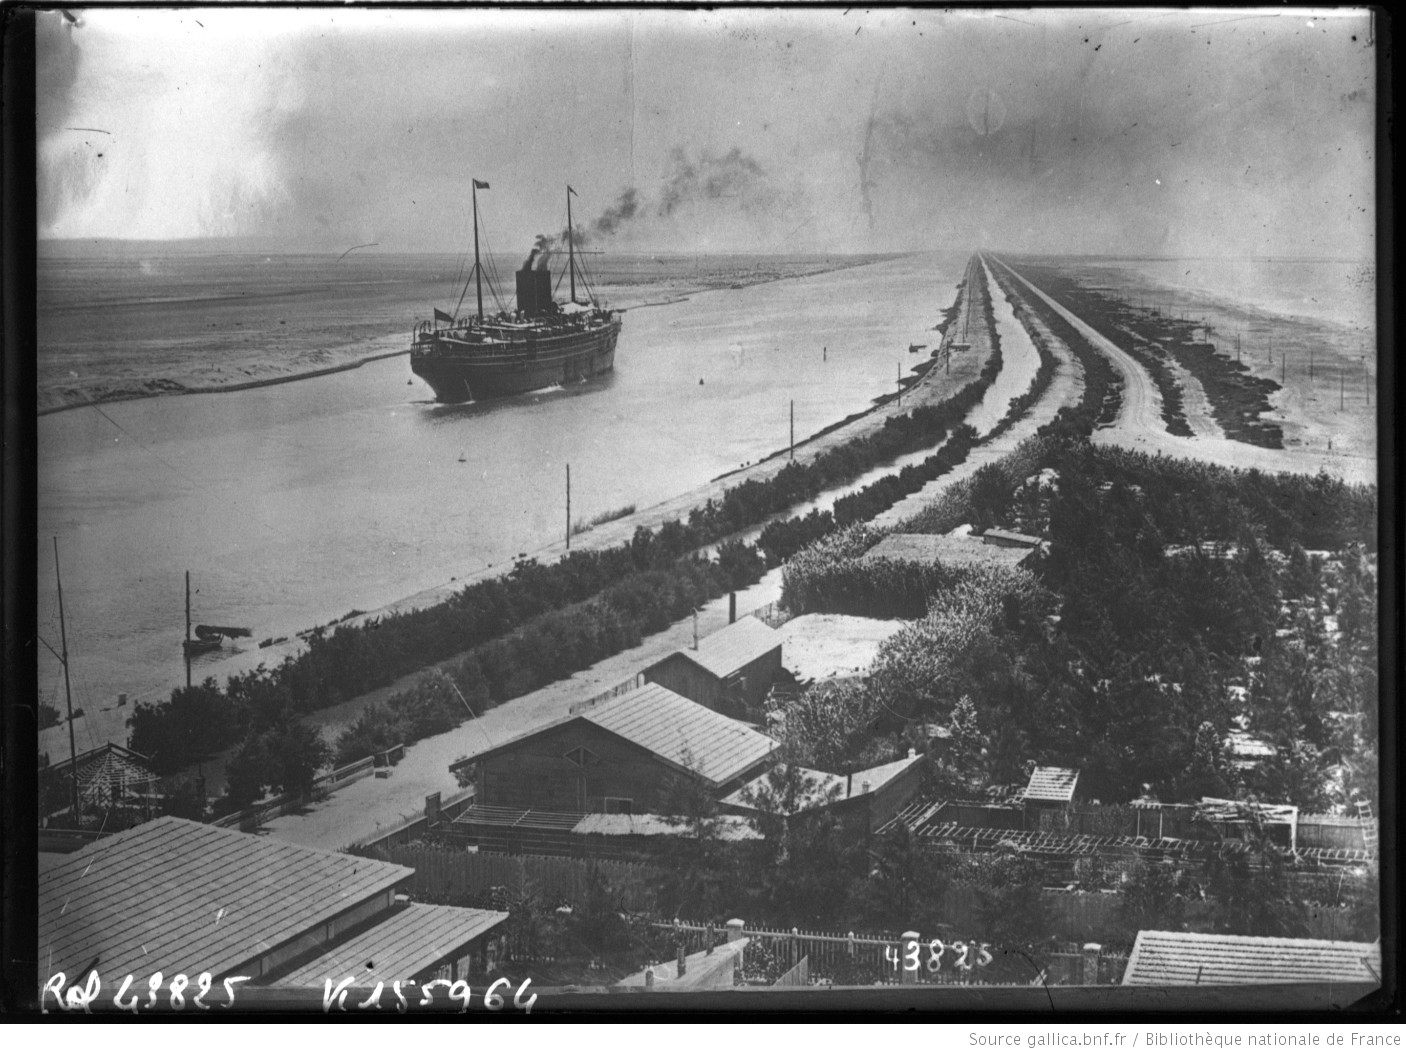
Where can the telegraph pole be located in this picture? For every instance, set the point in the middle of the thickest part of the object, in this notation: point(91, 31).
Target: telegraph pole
point(67, 691)
point(793, 430)
point(568, 506)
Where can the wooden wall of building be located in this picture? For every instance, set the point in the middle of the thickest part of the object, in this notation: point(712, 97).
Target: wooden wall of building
point(680, 674)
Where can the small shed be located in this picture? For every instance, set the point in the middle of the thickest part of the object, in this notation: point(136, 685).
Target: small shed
point(731, 671)
point(1166, 958)
point(1048, 797)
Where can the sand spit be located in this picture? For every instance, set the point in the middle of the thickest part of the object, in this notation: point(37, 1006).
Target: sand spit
point(1139, 425)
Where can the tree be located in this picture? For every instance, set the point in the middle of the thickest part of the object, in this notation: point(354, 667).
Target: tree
point(1153, 898)
point(284, 757)
point(1248, 887)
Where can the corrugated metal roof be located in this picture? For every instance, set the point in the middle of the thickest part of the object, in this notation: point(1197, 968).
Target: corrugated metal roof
point(726, 828)
point(184, 897)
point(946, 550)
point(1164, 958)
point(681, 731)
point(397, 948)
point(1052, 784)
point(733, 647)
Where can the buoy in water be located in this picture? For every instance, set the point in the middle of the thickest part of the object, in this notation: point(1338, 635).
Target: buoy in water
point(700, 380)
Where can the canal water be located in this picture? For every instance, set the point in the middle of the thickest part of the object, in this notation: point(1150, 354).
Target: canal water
point(292, 505)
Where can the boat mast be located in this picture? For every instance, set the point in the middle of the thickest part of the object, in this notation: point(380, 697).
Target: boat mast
point(570, 244)
point(67, 691)
point(478, 270)
point(187, 649)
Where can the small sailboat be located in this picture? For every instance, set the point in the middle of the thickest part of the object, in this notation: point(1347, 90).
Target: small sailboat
point(462, 459)
point(207, 638)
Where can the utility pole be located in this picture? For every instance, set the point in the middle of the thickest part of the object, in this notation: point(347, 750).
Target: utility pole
point(67, 690)
point(793, 430)
point(1283, 369)
point(900, 383)
point(568, 506)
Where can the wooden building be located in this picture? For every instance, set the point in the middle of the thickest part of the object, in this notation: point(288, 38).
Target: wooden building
point(862, 801)
point(619, 756)
point(730, 671)
point(1048, 798)
point(174, 896)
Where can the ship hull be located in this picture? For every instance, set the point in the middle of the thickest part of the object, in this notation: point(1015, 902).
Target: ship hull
point(460, 370)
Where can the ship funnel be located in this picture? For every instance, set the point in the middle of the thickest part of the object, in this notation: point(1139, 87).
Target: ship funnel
point(534, 287)
point(542, 260)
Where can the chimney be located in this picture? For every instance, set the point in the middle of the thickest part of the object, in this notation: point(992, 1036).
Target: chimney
point(534, 287)
point(731, 608)
point(849, 785)
point(695, 631)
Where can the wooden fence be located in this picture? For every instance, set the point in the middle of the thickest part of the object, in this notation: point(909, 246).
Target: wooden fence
point(796, 976)
point(252, 817)
point(447, 874)
point(869, 958)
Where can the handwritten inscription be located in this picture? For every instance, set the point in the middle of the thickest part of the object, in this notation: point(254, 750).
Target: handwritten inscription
point(83, 997)
point(456, 991)
point(180, 994)
point(964, 956)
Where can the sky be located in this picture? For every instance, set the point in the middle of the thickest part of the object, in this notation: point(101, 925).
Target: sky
point(1222, 132)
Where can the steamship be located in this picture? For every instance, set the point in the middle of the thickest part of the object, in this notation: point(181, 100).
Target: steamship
point(540, 344)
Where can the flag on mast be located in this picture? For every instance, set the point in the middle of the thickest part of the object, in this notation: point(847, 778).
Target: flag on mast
point(570, 191)
point(480, 184)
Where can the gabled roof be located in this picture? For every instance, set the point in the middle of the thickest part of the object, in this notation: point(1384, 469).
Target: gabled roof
point(397, 948)
point(733, 647)
point(684, 734)
point(1051, 784)
point(946, 550)
point(1164, 958)
point(184, 897)
point(823, 783)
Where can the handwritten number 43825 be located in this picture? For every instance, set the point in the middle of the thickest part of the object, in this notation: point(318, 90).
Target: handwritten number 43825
point(912, 958)
point(77, 998)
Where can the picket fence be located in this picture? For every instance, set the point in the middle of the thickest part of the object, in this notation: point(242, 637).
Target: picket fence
point(448, 873)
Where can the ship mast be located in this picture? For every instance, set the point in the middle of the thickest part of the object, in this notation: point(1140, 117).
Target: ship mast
point(478, 269)
point(570, 244)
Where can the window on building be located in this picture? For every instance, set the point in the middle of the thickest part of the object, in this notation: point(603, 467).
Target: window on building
point(625, 805)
